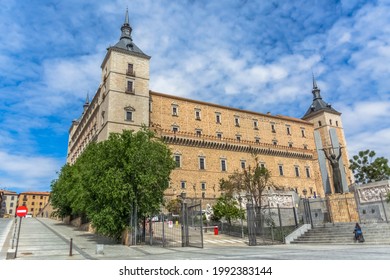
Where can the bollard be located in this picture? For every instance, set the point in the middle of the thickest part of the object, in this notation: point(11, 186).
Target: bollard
point(216, 230)
point(71, 247)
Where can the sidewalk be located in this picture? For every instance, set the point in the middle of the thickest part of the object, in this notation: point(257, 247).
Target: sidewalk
point(47, 239)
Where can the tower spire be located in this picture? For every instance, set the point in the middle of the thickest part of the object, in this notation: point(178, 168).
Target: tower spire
point(316, 91)
point(314, 81)
point(126, 28)
point(127, 17)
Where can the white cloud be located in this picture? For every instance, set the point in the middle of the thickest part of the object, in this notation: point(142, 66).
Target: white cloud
point(25, 171)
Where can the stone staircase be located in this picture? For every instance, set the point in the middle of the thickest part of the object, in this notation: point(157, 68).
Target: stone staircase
point(342, 233)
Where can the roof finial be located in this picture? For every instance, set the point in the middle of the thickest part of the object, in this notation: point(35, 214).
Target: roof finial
point(314, 81)
point(87, 99)
point(127, 16)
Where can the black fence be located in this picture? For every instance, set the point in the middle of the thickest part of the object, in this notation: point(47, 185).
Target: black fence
point(270, 225)
point(170, 230)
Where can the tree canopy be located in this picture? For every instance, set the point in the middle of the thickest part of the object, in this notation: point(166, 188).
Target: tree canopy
point(227, 207)
point(112, 177)
point(252, 180)
point(367, 169)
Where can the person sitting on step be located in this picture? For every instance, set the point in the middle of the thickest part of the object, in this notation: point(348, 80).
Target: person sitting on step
point(358, 233)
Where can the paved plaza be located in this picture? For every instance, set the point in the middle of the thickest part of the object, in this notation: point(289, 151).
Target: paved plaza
point(47, 239)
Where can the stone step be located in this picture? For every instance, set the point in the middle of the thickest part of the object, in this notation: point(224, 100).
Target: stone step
point(378, 233)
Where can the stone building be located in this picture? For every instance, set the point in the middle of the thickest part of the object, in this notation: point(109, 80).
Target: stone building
point(210, 141)
point(34, 201)
point(8, 204)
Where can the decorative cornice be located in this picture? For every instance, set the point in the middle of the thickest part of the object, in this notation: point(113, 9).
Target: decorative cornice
point(256, 148)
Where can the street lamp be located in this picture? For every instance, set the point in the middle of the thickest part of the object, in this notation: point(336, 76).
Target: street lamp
point(304, 192)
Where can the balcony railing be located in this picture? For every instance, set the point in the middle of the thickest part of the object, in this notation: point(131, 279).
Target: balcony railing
point(130, 90)
point(130, 73)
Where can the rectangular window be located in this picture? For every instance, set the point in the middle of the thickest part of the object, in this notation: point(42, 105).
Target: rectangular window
point(198, 132)
point(223, 164)
point(273, 128)
point(255, 124)
point(319, 123)
point(130, 69)
point(238, 137)
point(237, 121)
point(129, 87)
point(218, 118)
point(11, 204)
point(303, 132)
point(219, 135)
point(202, 163)
point(183, 184)
point(296, 171)
point(257, 139)
point(243, 164)
point(197, 115)
point(288, 128)
point(174, 111)
point(32, 203)
point(281, 172)
point(175, 129)
point(290, 144)
point(129, 116)
point(337, 123)
point(33, 196)
point(12, 197)
point(203, 186)
point(307, 172)
point(178, 160)
point(275, 142)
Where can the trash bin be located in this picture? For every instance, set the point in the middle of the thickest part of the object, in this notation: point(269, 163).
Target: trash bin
point(216, 230)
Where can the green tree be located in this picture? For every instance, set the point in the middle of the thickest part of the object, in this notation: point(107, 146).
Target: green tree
point(60, 191)
point(174, 206)
point(227, 207)
point(252, 180)
point(367, 169)
point(129, 171)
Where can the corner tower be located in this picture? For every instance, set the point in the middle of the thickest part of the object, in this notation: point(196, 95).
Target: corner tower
point(124, 90)
point(329, 137)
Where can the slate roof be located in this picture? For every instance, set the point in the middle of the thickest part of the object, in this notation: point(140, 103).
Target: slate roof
point(126, 42)
point(318, 105)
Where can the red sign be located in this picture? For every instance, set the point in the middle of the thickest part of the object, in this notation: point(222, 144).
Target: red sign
point(21, 211)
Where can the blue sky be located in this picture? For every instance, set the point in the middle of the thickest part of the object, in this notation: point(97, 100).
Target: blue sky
point(256, 55)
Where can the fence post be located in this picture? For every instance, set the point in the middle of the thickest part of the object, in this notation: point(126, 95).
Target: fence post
point(201, 223)
point(150, 232)
point(280, 223)
point(251, 225)
point(163, 229)
point(383, 205)
point(295, 216)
